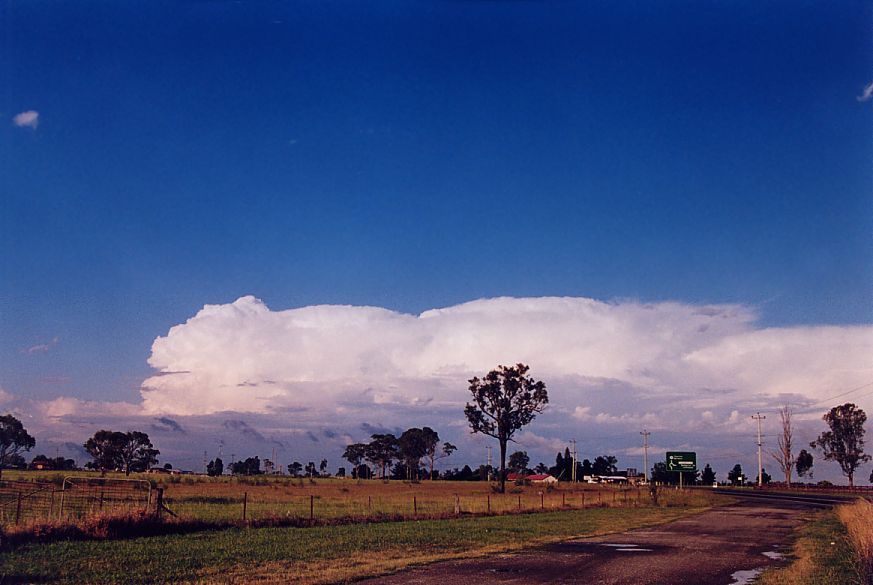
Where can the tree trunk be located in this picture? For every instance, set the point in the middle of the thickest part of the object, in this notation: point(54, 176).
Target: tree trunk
point(502, 466)
point(851, 479)
point(431, 467)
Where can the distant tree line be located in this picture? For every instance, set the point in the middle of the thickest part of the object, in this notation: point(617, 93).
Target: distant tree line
point(388, 456)
point(117, 451)
point(504, 401)
point(563, 468)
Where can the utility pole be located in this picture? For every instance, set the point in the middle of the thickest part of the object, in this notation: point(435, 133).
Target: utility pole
point(573, 473)
point(488, 468)
point(759, 417)
point(205, 458)
point(645, 435)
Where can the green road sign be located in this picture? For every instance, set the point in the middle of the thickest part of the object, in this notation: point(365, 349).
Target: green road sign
point(681, 461)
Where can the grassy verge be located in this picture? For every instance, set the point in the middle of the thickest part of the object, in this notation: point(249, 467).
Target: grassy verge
point(322, 554)
point(858, 520)
point(822, 555)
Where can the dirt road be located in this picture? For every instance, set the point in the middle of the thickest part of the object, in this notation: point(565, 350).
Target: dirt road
point(722, 546)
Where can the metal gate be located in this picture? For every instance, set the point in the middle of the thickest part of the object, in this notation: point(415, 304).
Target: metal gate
point(87, 496)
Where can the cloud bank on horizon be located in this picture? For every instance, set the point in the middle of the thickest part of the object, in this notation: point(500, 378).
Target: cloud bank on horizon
point(309, 381)
point(245, 357)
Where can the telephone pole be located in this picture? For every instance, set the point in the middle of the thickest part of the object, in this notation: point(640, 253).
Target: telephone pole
point(645, 433)
point(759, 417)
point(488, 468)
point(573, 473)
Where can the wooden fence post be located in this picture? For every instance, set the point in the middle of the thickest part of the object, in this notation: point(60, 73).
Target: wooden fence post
point(159, 502)
point(489, 503)
point(18, 508)
point(414, 506)
point(542, 500)
point(563, 500)
point(245, 504)
point(519, 501)
point(457, 505)
point(583, 500)
point(311, 507)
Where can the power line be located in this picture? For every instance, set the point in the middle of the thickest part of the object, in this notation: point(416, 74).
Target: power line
point(861, 387)
point(828, 399)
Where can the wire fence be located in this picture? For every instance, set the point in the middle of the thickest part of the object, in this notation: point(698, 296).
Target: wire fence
point(254, 505)
point(75, 498)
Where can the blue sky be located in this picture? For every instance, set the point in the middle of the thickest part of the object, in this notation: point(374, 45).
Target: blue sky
point(414, 155)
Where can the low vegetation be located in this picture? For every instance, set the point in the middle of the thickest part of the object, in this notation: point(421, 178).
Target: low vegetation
point(858, 520)
point(835, 547)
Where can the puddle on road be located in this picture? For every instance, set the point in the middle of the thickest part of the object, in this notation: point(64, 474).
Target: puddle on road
point(745, 577)
point(627, 547)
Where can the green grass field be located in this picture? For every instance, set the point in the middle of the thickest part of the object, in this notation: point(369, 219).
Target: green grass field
point(324, 554)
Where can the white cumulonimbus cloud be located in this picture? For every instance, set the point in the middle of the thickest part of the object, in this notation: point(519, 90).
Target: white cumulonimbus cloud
point(604, 361)
point(28, 119)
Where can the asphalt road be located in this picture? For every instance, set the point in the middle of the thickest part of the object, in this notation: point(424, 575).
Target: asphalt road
point(722, 546)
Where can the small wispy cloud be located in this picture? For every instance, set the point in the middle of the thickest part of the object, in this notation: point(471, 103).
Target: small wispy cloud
point(867, 94)
point(28, 119)
point(40, 347)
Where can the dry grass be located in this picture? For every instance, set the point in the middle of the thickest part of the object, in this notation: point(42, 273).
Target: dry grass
point(858, 520)
point(97, 527)
point(220, 500)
